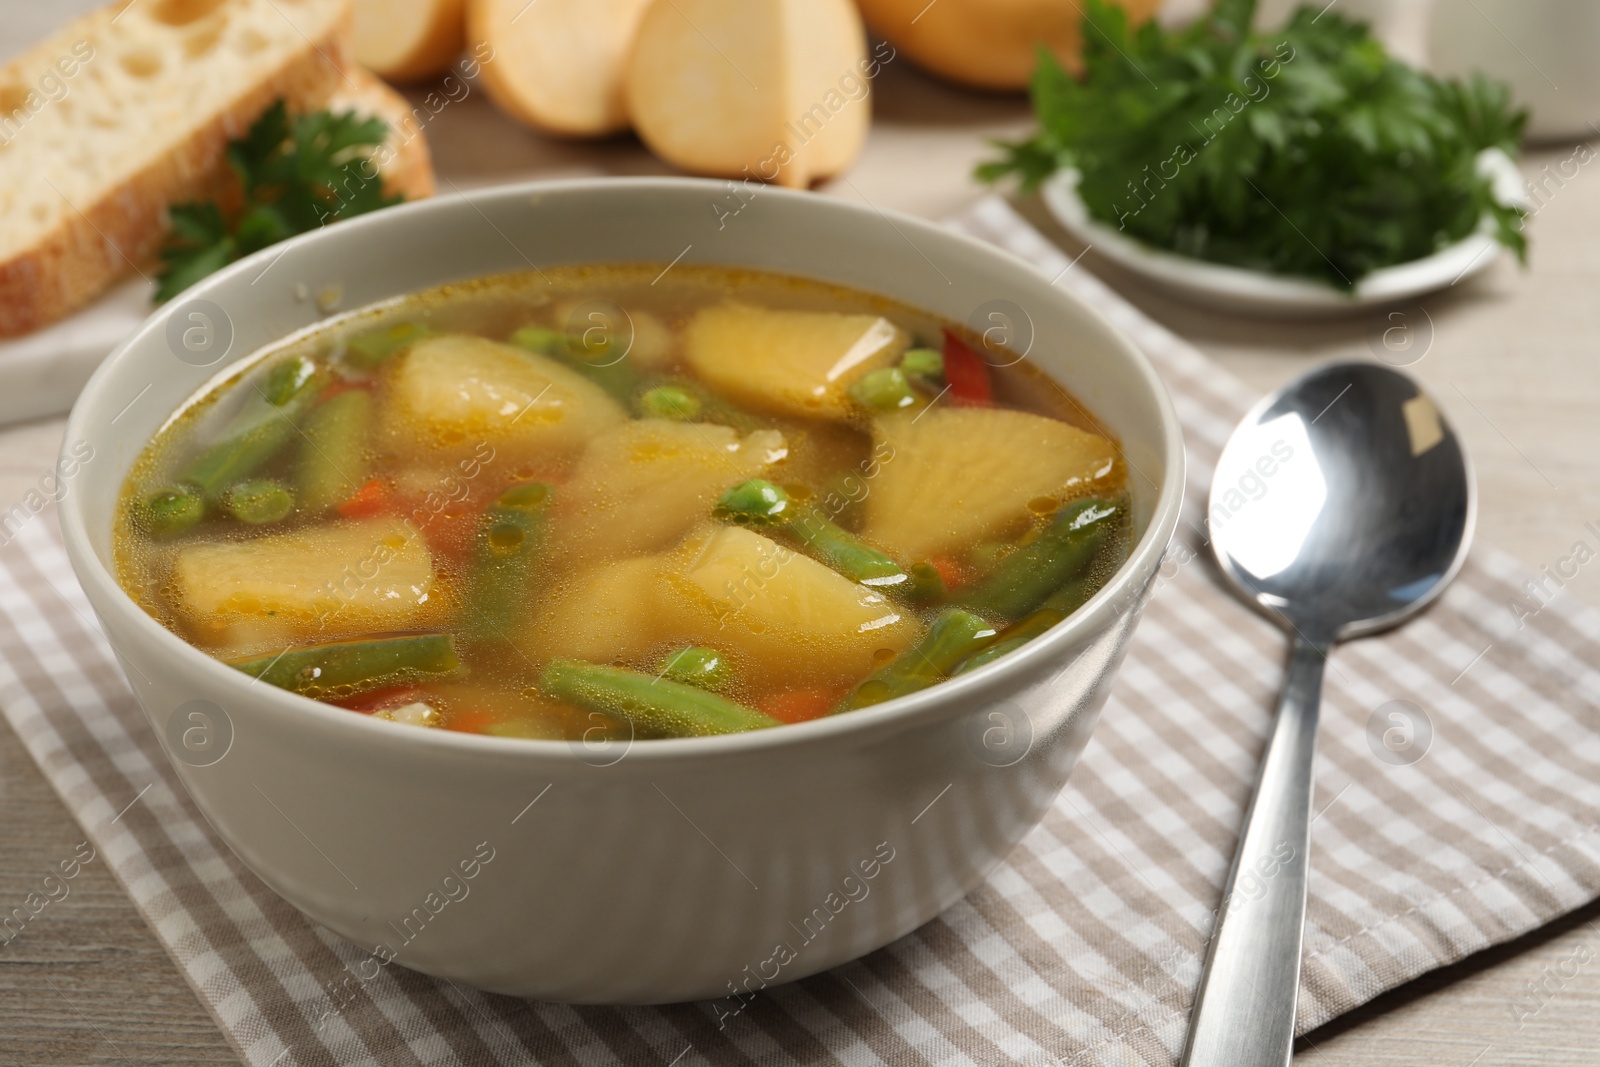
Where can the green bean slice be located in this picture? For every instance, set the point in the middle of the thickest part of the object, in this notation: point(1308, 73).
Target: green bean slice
point(259, 431)
point(333, 454)
point(655, 707)
point(1028, 576)
point(696, 665)
point(171, 510)
point(506, 557)
point(345, 668)
point(954, 636)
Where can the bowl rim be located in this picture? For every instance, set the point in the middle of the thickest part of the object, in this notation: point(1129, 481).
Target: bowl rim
point(1098, 613)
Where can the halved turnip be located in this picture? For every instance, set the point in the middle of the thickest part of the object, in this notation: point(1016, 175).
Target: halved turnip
point(987, 44)
point(408, 40)
point(557, 64)
point(773, 90)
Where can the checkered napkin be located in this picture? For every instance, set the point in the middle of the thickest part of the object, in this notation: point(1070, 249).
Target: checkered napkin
point(1458, 784)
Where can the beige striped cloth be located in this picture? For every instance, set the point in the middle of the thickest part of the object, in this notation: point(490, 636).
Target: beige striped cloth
point(1461, 816)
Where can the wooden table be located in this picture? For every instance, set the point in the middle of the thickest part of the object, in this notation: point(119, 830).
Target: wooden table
point(1512, 361)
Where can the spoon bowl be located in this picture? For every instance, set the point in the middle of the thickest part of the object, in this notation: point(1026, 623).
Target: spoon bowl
point(1365, 503)
point(1341, 506)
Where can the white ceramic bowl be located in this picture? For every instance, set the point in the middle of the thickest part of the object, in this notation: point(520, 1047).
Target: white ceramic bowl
point(665, 870)
point(1219, 287)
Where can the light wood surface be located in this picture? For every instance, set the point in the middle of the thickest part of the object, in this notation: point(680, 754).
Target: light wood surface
point(1513, 362)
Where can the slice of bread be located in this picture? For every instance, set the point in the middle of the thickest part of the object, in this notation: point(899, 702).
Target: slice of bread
point(129, 109)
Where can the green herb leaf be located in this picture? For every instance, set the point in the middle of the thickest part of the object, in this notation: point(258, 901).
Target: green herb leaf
point(201, 246)
point(296, 174)
point(1307, 151)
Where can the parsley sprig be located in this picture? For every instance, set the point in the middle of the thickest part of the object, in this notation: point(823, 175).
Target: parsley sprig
point(296, 174)
point(1307, 151)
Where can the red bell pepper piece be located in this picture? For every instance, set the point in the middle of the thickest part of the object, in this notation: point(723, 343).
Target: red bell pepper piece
point(966, 375)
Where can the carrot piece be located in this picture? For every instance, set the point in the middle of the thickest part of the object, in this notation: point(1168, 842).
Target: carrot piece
point(469, 722)
point(342, 385)
point(448, 527)
point(951, 572)
point(449, 530)
point(966, 374)
point(800, 705)
point(373, 498)
point(394, 696)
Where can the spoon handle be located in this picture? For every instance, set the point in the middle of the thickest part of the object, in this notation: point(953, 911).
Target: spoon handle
point(1244, 1010)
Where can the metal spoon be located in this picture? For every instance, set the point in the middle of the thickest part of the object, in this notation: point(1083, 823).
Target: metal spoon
point(1341, 506)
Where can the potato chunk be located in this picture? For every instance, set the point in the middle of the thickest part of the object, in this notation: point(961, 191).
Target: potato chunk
point(789, 362)
point(778, 605)
point(958, 476)
point(644, 485)
point(782, 618)
point(324, 581)
point(447, 395)
point(609, 613)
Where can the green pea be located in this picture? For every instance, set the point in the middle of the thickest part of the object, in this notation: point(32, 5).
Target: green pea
point(924, 363)
point(171, 510)
point(755, 502)
point(258, 501)
point(670, 402)
point(543, 340)
point(884, 390)
point(589, 353)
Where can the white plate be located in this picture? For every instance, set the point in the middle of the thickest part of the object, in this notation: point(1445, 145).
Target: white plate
point(1215, 286)
point(42, 372)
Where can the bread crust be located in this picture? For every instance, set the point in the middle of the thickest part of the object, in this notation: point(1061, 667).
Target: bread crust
point(123, 228)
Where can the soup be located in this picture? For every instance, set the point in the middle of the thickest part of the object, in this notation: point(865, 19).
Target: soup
point(613, 501)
